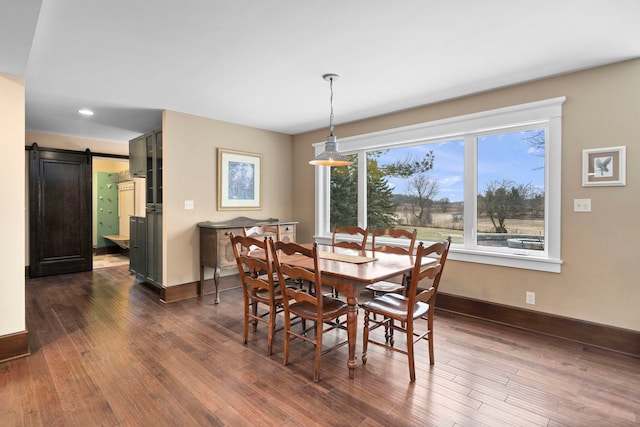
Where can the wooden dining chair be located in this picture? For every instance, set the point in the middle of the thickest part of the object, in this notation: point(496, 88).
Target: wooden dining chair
point(403, 242)
point(260, 232)
point(440, 251)
point(351, 231)
point(354, 232)
point(400, 312)
point(320, 309)
point(258, 286)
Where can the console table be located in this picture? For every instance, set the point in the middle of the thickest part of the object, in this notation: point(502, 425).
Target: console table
point(215, 246)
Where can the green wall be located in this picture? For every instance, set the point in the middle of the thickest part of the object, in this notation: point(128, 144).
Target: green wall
point(106, 207)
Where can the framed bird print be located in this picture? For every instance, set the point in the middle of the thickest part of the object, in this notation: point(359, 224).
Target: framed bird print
point(604, 166)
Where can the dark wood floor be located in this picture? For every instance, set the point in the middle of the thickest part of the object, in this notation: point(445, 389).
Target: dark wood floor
point(106, 352)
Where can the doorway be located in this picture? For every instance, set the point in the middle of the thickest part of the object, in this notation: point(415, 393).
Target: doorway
point(115, 198)
point(64, 234)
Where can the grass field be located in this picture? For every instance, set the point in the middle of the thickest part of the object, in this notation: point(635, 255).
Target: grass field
point(444, 225)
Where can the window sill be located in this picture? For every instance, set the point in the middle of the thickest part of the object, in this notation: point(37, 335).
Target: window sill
point(527, 260)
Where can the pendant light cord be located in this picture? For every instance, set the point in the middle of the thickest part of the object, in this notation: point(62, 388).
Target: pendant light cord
point(331, 102)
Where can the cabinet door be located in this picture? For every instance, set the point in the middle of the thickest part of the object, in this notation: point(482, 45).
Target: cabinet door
point(154, 245)
point(137, 246)
point(138, 157)
point(158, 246)
point(133, 244)
point(150, 166)
point(157, 136)
point(153, 145)
point(225, 249)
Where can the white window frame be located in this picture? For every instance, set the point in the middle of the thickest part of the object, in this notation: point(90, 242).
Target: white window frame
point(545, 114)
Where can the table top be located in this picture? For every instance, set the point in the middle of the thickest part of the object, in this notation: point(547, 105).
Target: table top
point(383, 266)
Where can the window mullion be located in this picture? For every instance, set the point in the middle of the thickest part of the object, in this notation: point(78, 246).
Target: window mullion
point(322, 200)
point(553, 163)
point(362, 189)
point(470, 190)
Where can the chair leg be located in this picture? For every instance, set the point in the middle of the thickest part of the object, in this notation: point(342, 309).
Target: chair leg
point(287, 328)
point(246, 325)
point(272, 327)
point(254, 307)
point(365, 337)
point(316, 370)
point(412, 365)
point(430, 338)
point(375, 294)
point(387, 335)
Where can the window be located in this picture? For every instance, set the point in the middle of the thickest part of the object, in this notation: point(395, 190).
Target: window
point(482, 178)
point(510, 190)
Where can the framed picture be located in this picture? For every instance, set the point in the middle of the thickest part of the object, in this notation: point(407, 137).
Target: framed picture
point(604, 166)
point(239, 180)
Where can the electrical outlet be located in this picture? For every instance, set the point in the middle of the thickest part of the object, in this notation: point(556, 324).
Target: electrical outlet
point(531, 298)
point(188, 204)
point(582, 205)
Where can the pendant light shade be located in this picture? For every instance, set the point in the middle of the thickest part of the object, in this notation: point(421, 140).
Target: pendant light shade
point(330, 156)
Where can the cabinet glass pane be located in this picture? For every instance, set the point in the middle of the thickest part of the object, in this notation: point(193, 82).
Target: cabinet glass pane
point(150, 167)
point(159, 167)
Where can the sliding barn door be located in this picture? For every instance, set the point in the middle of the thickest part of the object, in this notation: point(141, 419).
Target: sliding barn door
point(59, 212)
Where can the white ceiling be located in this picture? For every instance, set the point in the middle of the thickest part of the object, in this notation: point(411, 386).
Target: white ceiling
point(260, 63)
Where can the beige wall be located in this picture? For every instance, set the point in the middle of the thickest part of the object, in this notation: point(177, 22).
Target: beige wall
point(12, 119)
point(64, 142)
point(109, 165)
point(190, 173)
point(599, 280)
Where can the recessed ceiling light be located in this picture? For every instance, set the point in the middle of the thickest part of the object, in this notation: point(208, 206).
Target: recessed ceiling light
point(86, 112)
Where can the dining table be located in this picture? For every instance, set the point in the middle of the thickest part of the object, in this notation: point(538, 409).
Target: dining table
point(349, 271)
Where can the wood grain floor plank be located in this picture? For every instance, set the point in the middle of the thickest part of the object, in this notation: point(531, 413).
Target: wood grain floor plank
point(522, 415)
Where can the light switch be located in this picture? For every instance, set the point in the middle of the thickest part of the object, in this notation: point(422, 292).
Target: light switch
point(188, 204)
point(582, 205)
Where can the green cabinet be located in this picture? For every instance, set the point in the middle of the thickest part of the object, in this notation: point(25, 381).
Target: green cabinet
point(145, 156)
point(153, 143)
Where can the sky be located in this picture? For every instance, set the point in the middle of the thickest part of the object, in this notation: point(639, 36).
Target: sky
point(504, 156)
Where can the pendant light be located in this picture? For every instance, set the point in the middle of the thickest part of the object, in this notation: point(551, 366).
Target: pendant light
point(330, 156)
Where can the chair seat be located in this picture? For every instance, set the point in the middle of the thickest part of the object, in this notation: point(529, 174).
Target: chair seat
point(384, 287)
point(262, 295)
point(331, 308)
point(275, 277)
point(395, 306)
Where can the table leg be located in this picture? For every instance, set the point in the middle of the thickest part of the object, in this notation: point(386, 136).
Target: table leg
point(352, 333)
point(216, 280)
point(201, 283)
